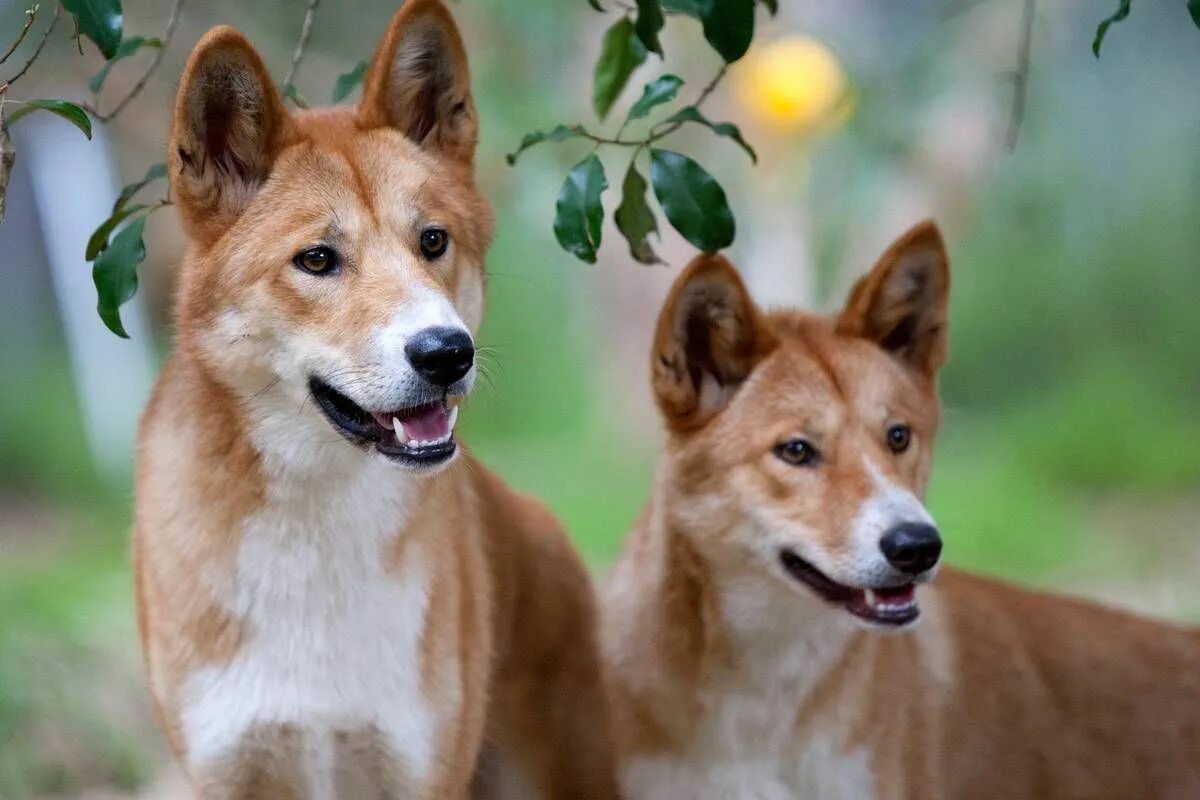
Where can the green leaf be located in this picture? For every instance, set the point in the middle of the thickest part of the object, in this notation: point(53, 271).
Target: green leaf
point(559, 133)
point(728, 26)
point(68, 111)
point(634, 218)
point(1102, 30)
point(293, 94)
point(99, 238)
point(620, 54)
point(126, 49)
point(155, 173)
point(727, 129)
point(649, 23)
point(772, 6)
point(115, 274)
point(100, 21)
point(1193, 8)
point(578, 215)
point(658, 91)
point(348, 81)
point(692, 199)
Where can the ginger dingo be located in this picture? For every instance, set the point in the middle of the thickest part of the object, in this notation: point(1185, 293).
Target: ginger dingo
point(746, 624)
point(334, 600)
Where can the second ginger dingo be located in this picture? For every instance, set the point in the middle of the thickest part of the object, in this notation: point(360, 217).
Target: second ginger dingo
point(760, 627)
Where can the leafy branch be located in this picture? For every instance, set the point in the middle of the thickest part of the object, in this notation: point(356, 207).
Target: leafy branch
point(116, 258)
point(127, 48)
point(37, 50)
point(691, 199)
point(30, 16)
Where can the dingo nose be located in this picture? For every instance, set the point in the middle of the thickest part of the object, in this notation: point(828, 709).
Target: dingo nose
point(441, 355)
point(912, 547)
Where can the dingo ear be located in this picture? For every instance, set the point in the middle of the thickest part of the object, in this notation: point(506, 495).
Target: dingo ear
point(419, 82)
point(902, 303)
point(229, 126)
point(710, 335)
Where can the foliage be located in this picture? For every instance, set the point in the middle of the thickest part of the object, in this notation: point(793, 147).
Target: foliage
point(68, 111)
point(100, 21)
point(124, 50)
point(690, 197)
point(115, 264)
point(348, 81)
point(115, 274)
point(579, 214)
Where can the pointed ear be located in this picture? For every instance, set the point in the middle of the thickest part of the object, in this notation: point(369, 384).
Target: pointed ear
point(229, 126)
point(419, 82)
point(902, 304)
point(710, 336)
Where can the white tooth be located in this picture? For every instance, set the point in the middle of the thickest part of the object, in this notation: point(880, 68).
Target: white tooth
point(413, 443)
point(397, 427)
point(453, 418)
point(870, 596)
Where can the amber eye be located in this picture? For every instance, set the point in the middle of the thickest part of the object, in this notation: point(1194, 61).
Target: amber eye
point(898, 438)
point(317, 260)
point(434, 242)
point(797, 452)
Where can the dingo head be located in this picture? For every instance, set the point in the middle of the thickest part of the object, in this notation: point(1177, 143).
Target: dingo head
point(335, 269)
point(801, 445)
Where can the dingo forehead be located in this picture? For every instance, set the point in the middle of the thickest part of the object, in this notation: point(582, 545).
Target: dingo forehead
point(818, 382)
point(361, 179)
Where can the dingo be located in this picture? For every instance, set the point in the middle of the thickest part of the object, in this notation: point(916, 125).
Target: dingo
point(742, 625)
point(334, 602)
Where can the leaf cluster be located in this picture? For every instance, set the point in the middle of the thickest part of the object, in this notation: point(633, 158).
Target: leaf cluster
point(690, 198)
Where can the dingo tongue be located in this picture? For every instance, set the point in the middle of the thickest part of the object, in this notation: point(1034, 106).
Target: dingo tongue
point(427, 423)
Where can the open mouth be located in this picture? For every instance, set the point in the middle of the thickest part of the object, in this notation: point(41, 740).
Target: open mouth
point(420, 435)
point(891, 606)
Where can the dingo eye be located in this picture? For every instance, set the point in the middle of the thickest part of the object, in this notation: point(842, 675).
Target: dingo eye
point(434, 242)
point(797, 452)
point(317, 260)
point(898, 438)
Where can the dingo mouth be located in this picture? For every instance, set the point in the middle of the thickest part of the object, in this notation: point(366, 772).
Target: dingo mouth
point(419, 435)
point(892, 606)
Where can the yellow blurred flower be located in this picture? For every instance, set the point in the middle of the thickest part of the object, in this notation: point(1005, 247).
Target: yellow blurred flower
point(794, 83)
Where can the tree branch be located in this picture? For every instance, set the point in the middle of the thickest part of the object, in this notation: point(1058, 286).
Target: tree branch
point(654, 135)
point(37, 51)
point(1021, 75)
point(30, 15)
point(302, 43)
point(172, 23)
point(7, 157)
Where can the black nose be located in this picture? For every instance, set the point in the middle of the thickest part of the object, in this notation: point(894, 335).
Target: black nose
point(441, 355)
point(912, 547)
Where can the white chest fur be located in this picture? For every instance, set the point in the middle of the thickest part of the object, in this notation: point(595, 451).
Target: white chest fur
point(747, 746)
point(332, 630)
point(747, 749)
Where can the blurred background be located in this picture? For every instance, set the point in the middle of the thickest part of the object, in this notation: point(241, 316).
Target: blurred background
point(1070, 454)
